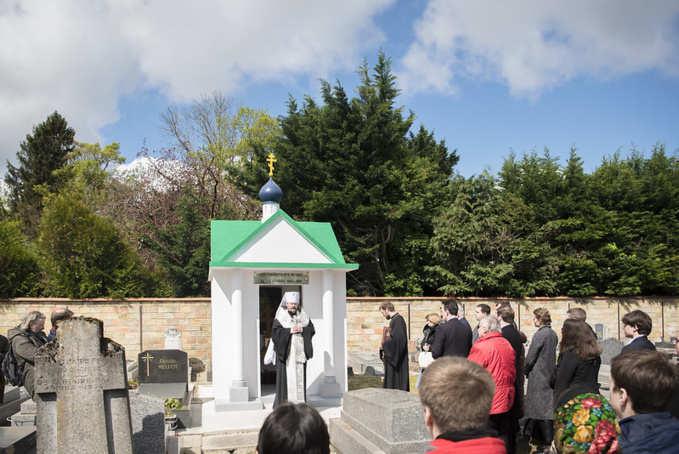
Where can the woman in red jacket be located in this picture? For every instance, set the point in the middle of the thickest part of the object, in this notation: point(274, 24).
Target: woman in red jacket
point(496, 355)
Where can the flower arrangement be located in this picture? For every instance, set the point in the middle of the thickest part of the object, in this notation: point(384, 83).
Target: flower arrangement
point(171, 405)
point(588, 424)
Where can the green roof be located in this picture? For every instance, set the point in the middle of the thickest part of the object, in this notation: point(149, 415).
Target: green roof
point(229, 237)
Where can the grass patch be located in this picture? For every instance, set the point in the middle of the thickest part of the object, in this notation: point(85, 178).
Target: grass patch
point(374, 381)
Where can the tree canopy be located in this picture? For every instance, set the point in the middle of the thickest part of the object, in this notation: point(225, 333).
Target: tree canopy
point(355, 163)
point(542, 229)
point(41, 154)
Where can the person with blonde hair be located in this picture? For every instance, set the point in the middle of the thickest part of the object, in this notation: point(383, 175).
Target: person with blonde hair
point(428, 336)
point(456, 395)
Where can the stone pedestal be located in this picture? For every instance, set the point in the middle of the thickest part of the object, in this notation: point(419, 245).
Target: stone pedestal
point(380, 421)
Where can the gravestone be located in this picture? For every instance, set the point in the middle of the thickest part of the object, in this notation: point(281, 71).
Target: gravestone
point(148, 423)
point(164, 373)
point(13, 399)
point(81, 389)
point(610, 348)
point(27, 415)
point(375, 420)
point(173, 339)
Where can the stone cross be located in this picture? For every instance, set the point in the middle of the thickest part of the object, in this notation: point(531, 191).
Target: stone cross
point(81, 387)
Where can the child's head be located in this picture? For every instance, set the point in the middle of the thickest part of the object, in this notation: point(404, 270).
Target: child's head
point(642, 381)
point(456, 395)
point(637, 322)
point(294, 428)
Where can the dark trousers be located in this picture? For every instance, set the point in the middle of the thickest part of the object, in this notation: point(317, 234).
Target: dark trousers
point(502, 424)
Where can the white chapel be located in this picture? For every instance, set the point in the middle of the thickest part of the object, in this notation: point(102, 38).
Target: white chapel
point(252, 264)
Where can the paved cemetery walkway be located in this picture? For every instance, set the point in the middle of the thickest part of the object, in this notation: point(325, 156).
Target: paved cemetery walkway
point(226, 430)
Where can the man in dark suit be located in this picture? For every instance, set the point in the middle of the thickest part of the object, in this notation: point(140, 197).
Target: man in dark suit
point(637, 325)
point(453, 338)
point(513, 336)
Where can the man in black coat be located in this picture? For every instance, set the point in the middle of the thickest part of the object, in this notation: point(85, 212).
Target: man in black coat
point(637, 325)
point(453, 338)
point(394, 350)
point(513, 336)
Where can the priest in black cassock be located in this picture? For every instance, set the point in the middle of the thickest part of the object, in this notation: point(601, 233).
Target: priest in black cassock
point(395, 350)
point(291, 335)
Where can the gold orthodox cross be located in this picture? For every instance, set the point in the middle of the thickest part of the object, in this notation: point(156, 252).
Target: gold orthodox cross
point(148, 358)
point(271, 159)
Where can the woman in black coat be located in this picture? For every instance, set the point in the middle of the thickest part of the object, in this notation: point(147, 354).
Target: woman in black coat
point(428, 336)
point(577, 370)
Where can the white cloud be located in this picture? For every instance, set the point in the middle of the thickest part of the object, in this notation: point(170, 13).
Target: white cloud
point(80, 56)
point(534, 45)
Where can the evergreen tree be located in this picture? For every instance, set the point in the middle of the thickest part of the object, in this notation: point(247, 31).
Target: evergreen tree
point(19, 270)
point(42, 153)
point(183, 248)
point(353, 163)
point(84, 255)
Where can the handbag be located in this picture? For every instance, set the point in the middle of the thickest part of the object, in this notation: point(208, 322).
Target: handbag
point(425, 359)
point(270, 355)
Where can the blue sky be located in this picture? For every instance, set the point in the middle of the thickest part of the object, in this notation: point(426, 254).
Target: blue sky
point(489, 77)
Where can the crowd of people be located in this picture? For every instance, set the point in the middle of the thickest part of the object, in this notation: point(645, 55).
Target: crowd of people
point(563, 408)
point(472, 390)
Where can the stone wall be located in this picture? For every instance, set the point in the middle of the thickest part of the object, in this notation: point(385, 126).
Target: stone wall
point(139, 324)
point(135, 324)
point(365, 322)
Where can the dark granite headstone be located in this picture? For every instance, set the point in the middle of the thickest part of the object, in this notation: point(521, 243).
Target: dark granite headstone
point(164, 373)
point(81, 388)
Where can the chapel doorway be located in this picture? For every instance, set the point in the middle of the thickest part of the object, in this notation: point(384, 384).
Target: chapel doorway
point(269, 300)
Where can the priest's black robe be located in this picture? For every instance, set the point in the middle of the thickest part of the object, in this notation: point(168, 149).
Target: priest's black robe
point(395, 350)
point(281, 338)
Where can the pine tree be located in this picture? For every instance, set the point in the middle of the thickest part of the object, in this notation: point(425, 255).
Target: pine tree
point(42, 153)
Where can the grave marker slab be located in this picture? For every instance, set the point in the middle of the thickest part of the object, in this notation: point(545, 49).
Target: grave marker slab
point(164, 373)
point(380, 421)
point(610, 348)
point(81, 387)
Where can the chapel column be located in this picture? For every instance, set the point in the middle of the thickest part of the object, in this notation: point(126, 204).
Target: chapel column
point(329, 387)
point(238, 391)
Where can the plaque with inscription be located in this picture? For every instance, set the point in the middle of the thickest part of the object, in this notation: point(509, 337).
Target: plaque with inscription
point(164, 373)
point(163, 366)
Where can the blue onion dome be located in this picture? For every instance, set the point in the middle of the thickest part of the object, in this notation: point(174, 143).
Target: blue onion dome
point(270, 192)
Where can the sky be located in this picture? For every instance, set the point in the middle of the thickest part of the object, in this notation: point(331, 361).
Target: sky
point(490, 77)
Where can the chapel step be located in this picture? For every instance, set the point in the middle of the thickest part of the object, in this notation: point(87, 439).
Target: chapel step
point(227, 443)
